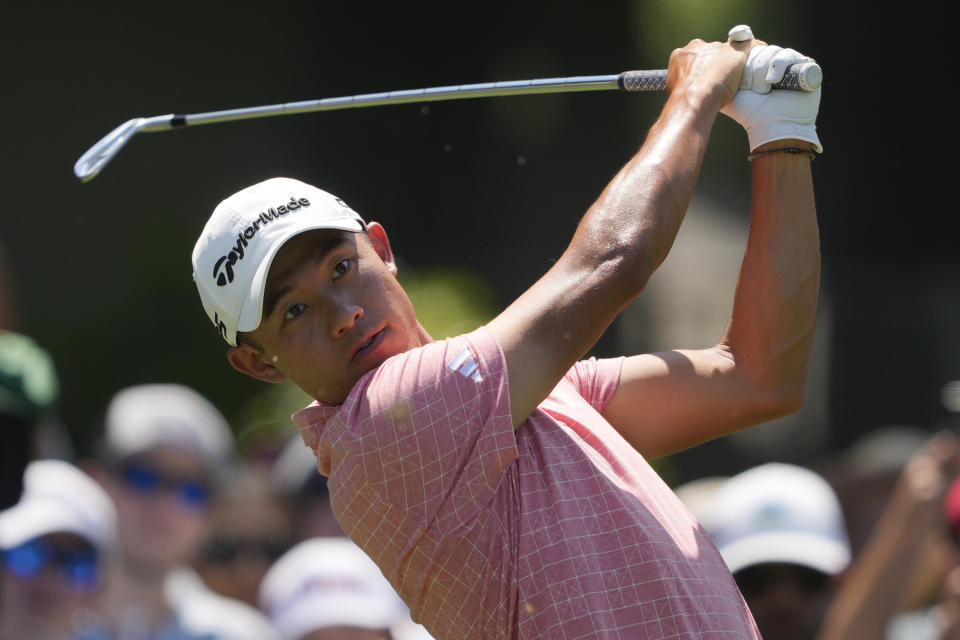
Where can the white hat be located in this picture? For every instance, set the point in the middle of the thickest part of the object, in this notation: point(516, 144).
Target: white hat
point(58, 498)
point(232, 258)
point(327, 582)
point(699, 496)
point(780, 513)
point(147, 415)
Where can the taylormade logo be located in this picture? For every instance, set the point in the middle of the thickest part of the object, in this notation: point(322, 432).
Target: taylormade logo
point(223, 268)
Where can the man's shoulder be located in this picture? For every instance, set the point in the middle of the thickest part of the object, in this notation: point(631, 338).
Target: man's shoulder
point(447, 382)
point(433, 368)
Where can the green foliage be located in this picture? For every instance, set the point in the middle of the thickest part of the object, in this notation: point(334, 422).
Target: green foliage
point(449, 301)
point(660, 26)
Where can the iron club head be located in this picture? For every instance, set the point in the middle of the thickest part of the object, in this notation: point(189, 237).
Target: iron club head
point(97, 156)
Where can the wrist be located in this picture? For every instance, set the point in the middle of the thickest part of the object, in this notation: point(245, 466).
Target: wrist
point(783, 134)
point(795, 143)
point(700, 95)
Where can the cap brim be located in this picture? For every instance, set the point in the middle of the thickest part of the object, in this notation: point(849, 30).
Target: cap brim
point(816, 552)
point(32, 519)
point(251, 308)
point(325, 610)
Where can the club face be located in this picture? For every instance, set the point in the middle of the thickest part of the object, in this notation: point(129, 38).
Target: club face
point(97, 156)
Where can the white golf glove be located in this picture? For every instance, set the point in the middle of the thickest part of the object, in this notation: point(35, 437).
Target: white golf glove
point(774, 115)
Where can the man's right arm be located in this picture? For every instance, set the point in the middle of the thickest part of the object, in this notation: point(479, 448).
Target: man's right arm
point(625, 235)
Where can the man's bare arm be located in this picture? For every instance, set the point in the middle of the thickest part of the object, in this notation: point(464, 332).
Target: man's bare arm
point(673, 400)
point(624, 236)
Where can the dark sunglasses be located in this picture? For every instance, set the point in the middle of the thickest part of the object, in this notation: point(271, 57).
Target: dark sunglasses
point(761, 577)
point(226, 549)
point(79, 567)
point(148, 480)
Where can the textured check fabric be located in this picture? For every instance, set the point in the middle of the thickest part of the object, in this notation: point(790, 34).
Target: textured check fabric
point(556, 530)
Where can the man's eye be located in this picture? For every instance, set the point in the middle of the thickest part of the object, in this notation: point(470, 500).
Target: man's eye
point(340, 268)
point(294, 311)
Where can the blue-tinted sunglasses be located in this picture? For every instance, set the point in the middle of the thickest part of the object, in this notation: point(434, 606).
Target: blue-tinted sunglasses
point(79, 566)
point(146, 479)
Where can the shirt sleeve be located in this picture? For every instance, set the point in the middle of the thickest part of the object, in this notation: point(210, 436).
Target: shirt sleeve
point(596, 380)
point(429, 432)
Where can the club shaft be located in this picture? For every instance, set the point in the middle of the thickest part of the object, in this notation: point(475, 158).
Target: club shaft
point(432, 94)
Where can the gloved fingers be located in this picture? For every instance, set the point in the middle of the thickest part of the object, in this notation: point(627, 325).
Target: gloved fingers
point(755, 69)
point(779, 63)
point(740, 33)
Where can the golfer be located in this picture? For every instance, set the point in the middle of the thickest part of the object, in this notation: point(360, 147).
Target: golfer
point(499, 481)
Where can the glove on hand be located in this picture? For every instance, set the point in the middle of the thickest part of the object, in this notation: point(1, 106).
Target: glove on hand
point(774, 115)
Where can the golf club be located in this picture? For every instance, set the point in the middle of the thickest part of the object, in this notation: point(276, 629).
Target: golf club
point(805, 76)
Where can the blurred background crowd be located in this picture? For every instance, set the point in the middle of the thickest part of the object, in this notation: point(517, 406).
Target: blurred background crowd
point(150, 492)
point(165, 531)
point(168, 530)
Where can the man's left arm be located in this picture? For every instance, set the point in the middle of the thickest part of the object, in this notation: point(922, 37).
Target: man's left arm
point(672, 400)
point(757, 372)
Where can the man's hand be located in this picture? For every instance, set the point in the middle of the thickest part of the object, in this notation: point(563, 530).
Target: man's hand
point(709, 66)
point(773, 115)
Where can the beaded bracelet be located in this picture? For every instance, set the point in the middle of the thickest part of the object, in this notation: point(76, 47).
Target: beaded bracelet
point(808, 152)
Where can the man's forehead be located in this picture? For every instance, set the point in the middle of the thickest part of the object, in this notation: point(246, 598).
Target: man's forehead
point(318, 241)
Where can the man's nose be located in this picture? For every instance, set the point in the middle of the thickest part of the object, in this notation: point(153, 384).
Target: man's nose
point(345, 318)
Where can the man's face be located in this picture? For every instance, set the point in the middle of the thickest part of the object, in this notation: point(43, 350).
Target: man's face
point(163, 499)
point(251, 529)
point(788, 601)
point(333, 310)
point(44, 583)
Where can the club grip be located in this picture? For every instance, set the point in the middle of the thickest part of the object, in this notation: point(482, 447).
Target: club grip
point(803, 76)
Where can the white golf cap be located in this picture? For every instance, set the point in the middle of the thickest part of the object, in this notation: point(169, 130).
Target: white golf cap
point(232, 258)
point(143, 416)
point(699, 496)
point(780, 513)
point(328, 582)
point(58, 498)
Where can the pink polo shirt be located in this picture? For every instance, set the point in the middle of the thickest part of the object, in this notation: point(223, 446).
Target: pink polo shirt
point(558, 529)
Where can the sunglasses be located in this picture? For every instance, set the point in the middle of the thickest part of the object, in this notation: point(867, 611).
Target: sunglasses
point(80, 567)
point(226, 549)
point(147, 480)
point(759, 578)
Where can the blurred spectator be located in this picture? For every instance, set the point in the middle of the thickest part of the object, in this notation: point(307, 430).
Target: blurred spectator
point(946, 611)
point(162, 454)
point(700, 497)
point(780, 530)
point(328, 589)
point(29, 393)
point(865, 474)
point(252, 526)
point(56, 542)
point(902, 586)
point(295, 474)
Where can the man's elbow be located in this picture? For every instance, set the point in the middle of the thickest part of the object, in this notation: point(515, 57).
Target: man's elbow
point(778, 386)
point(780, 398)
point(771, 392)
point(791, 400)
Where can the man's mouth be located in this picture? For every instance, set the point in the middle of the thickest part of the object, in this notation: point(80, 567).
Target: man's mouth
point(368, 345)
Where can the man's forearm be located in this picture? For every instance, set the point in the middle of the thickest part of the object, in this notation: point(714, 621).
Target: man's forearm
point(770, 334)
point(636, 219)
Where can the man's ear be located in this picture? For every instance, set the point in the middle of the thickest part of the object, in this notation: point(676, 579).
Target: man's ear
point(248, 360)
point(381, 244)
